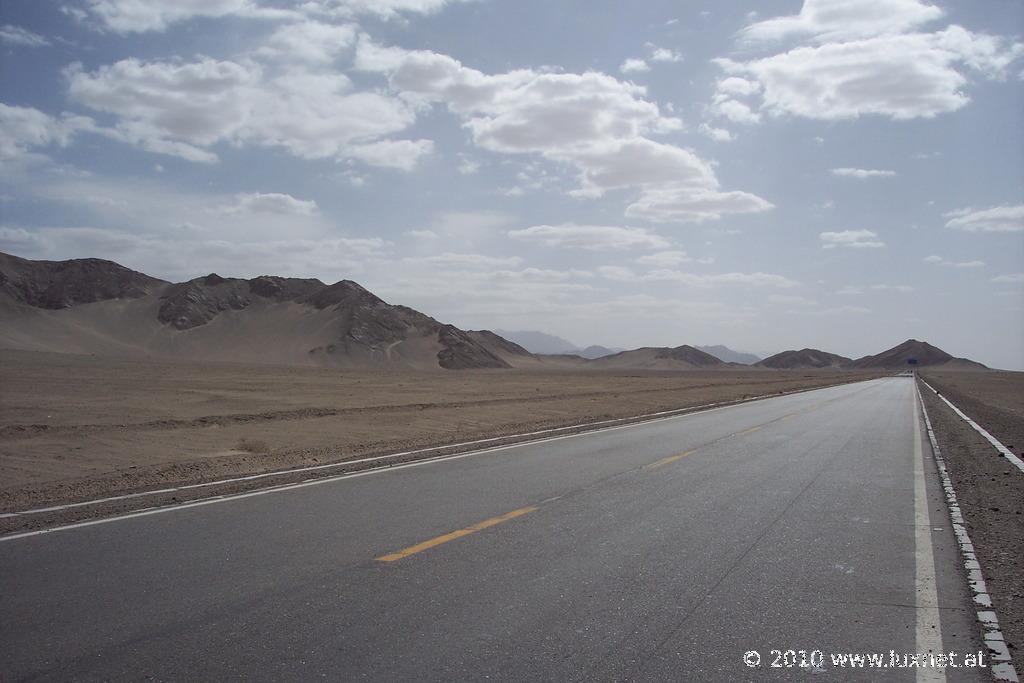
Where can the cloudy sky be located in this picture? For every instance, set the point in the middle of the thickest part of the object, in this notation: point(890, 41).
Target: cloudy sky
point(840, 174)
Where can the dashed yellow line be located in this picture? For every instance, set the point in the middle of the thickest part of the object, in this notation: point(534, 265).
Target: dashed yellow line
point(665, 461)
point(748, 431)
point(479, 526)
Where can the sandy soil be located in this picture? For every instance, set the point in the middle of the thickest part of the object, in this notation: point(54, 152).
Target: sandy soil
point(990, 490)
point(82, 427)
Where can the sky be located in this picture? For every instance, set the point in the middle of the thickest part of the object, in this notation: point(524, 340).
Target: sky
point(834, 174)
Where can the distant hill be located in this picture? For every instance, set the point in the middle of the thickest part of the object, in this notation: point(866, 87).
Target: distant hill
point(539, 342)
point(660, 358)
point(923, 353)
point(804, 358)
point(595, 351)
point(96, 306)
point(728, 355)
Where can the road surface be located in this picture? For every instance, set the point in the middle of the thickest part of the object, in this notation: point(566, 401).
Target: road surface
point(659, 551)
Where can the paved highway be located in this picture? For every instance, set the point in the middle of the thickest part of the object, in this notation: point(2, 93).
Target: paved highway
point(660, 551)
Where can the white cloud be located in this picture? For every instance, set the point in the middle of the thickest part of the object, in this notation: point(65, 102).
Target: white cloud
point(862, 173)
point(184, 108)
point(23, 129)
point(664, 259)
point(888, 73)
point(737, 87)
point(272, 202)
point(716, 134)
point(469, 260)
point(385, 9)
point(423, 234)
point(857, 239)
point(668, 205)
point(938, 260)
point(404, 155)
point(996, 219)
point(662, 54)
point(634, 66)
point(1013, 278)
point(309, 41)
point(790, 300)
point(758, 279)
point(595, 237)
point(734, 110)
point(16, 35)
point(136, 16)
point(850, 290)
point(892, 288)
point(827, 20)
point(126, 16)
point(591, 122)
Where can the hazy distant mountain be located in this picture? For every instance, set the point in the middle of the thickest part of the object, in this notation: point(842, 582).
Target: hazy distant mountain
point(804, 358)
point(923, 353)
point(728, 355)
point(539, 342)
point(596, 351)
point(97, 306)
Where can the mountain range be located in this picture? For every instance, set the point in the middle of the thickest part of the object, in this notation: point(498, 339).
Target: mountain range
point(94, 306)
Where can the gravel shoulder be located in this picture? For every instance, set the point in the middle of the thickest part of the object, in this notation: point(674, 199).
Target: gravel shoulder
point(989, 489)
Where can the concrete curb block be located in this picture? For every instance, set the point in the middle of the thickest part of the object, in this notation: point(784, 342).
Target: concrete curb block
point(1002, 668)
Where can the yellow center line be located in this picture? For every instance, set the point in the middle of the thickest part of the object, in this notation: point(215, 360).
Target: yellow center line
point(748, 431)
point(479, 526)
point(664, 461)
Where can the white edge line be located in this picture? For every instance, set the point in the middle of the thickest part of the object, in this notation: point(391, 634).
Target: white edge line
point(1007, 453)
point(928, 622)
point(695, 410)
point(1002, 668)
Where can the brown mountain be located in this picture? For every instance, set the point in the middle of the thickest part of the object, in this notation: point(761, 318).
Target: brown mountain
point(804, 358)
point(923, 353)
point(659, 358)
point(95, 306)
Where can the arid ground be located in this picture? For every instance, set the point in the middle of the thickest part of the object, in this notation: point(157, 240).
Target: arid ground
point(989, 489)
point(82, 427)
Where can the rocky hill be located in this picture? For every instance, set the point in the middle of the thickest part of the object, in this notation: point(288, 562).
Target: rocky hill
point(660, 358)
point(922, 353)
point(804, 358)
point(95, 306)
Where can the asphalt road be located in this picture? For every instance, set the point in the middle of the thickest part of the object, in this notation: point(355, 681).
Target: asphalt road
point(660, 551)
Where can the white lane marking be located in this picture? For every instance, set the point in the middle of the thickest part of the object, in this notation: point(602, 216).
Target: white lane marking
point(1002, 664)
point(362, 473)
point(645, 418)
point(1007, 453)
point(928, 631)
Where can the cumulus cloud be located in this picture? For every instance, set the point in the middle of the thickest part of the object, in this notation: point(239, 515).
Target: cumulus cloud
point(856, 239)
point(861, 57)
point(996, 219)
point(469, 260)
point(22, 37)
point(828, 20)
point(272, 202)
point(716, 134)
point(664, 259)
point(136, 16)
point(1012, 278)
point(592, 122)
point(663, 54)
point(938, 260)
point(310, 41)
point(634, 66)
point(23, 129)
point(758, 279)
point(185, 108)
point(862, 173)
point(595, 237)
